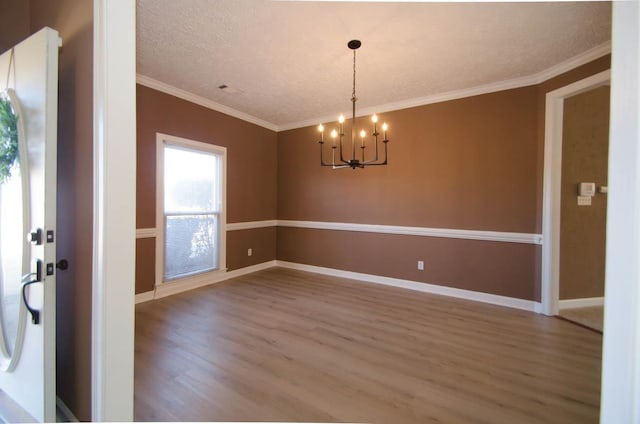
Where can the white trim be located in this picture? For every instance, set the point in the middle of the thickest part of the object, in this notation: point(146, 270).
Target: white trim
point(249, 225)
point(202, 101)
point(66, 413)
point(221, 152)
point(551, 185)
point(580, 303)
point(620, 402)
point(12, 412)
point(574, 62)
point(502, 236)
point(418, 231)
point(494, 299)
point(168, 289)
point(145, 233)
point(537, 78)
point(144, 297)
point(171, 288)
point(114, 216)
point(250, 269)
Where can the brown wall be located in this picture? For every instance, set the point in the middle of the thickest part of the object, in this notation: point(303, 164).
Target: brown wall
point(474, 163)
point(501, 268)
point(585, 154)
point(462, 164)
point(459, 164)
point(581, 72)
point(73, 19)
point(251, 173)
point(14, 23)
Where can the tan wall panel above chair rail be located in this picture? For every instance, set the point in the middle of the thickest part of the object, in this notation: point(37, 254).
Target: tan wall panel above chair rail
point(251, 154)
point(465, 164)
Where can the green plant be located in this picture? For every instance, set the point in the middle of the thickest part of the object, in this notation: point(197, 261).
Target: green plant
point(8, 138)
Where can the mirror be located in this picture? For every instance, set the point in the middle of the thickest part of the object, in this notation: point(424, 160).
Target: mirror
point(14, 225)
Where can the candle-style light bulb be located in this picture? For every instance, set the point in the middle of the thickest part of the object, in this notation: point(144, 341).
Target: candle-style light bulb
point(384, 128)
point(374, 118)
point(362, 133)
point(334, 133)
point(341, 119)
point(320, 128)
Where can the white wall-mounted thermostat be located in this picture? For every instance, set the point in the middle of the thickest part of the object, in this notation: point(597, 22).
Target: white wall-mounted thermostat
point(587, 189)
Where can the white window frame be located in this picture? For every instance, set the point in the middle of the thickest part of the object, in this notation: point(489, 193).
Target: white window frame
point(175, 285)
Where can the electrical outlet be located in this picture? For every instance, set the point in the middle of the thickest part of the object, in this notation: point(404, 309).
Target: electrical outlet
point(249, 252)
point(421, 265)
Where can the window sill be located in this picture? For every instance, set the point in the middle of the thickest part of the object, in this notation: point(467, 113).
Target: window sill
point(188, 283)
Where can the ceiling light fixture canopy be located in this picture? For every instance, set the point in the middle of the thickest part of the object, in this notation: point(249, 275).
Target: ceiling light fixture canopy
point(337, 134)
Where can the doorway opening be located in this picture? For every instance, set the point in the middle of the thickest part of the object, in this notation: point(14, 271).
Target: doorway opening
point(552, 188)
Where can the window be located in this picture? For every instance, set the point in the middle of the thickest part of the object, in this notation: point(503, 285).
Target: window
point(191, 187)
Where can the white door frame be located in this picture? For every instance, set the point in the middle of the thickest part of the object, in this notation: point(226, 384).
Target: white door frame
point(114, 209)
point(551, 186)
point(621, 342)
point(621, 371)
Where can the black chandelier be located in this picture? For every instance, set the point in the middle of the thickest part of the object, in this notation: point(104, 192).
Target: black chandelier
point(337, 135)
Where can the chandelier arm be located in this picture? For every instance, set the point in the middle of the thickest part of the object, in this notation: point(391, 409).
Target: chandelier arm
point(375, 157)
point(342, 159)
point(373, 161)
point(322, 162)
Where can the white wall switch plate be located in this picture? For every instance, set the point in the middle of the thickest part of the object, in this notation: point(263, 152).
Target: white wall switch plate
point(421, 265)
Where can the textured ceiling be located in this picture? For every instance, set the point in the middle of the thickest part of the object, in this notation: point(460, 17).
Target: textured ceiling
point(287, 62)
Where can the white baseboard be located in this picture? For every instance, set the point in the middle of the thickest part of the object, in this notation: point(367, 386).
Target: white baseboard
point(64, 410)
point(494, 299)
point(580, 303)
point(249, 269)
point(144, 297)
point(168, 289)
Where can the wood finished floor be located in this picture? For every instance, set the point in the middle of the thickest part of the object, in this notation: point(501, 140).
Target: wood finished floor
point(284, 345)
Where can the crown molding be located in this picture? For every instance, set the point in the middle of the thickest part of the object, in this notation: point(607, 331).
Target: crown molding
point(202, 101)
point(537, 78)
point(572, 63)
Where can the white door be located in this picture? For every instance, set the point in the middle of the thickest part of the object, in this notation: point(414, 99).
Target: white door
point(28, 139)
